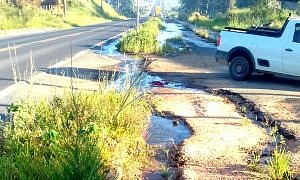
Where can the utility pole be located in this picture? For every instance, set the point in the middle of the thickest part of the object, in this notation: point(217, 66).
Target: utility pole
point(65, 7)
point(137, 14)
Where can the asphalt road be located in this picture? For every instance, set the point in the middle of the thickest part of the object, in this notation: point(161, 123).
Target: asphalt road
point(51, 47)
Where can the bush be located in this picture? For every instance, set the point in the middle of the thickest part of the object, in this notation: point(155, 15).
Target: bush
point(267, 11)
point(143, 40)
point(78, 136)
point(196, 16)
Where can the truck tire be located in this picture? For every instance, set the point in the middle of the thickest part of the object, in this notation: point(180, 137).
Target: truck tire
point(239, 68)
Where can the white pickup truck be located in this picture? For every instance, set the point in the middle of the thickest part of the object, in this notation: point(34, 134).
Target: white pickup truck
point(271, 51)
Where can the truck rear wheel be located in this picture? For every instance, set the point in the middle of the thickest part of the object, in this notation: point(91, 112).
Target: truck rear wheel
point(239, 68)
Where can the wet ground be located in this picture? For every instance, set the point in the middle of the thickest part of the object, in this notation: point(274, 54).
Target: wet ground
point(164, 131)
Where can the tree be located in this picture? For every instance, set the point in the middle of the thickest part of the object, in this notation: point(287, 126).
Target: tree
point(124, 7)
point(231, 4)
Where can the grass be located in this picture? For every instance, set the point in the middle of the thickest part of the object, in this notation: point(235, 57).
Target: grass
point(80, 135)
point(89, 12)
point(240, 18)
point(279, 166)
point(13, 18)
point(79, 14)
point(173, 46)
point(143, 40)
point(165, 172)
point(216, 24)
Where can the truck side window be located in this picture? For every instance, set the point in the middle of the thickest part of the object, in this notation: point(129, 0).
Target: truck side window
point(297, 34)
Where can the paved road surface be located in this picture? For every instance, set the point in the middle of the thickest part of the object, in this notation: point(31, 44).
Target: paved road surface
point(51, 47)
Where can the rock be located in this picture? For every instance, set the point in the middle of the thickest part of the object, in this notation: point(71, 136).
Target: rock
point(266, 152)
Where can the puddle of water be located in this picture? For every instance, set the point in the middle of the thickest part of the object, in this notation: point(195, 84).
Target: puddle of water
point(162, 131)
point(172, 30)
point(109, 49)
point(196, 40)
point(177, 30)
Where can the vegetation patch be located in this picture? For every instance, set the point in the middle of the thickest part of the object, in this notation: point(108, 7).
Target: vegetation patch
point(80, 13)
point(279, 166)
point(81, 135)
point(261, 14)
point(144, 39)
point(173, 46)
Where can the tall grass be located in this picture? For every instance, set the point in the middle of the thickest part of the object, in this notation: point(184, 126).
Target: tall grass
point(14, 17)
point(241, 18)
point(143, 40)
point(85, 12)
point(81, 135)
point(216, 24)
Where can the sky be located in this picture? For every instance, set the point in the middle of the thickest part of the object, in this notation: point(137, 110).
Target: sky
point(171, 3)
point(168, 3)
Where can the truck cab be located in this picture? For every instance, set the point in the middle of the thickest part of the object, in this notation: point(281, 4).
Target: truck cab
point(271, 51)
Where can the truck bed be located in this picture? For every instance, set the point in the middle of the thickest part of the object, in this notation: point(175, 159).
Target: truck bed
point(260, 31)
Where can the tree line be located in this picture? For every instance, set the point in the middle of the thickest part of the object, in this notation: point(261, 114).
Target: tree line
point(125, 7)
point(213, 7)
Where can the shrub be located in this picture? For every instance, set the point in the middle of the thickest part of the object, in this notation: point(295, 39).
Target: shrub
point(81, 135)
point(196, 16)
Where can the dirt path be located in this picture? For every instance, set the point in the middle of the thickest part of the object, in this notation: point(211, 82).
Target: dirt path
point(277, 97)
point(222, 140)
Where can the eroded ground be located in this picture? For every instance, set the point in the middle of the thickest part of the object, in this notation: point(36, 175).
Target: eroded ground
point(222, 140)
point(217, 149)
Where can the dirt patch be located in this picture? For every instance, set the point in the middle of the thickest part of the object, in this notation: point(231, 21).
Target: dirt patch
point(276, 100)
point(220, 145)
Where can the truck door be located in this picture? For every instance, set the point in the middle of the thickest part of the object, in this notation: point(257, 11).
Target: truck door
point(291, 54)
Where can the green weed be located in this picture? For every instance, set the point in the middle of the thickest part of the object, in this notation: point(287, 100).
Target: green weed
point(254, 162)
point(273, 131)
point(165, 171)
point(279, 166)
point(81, 135)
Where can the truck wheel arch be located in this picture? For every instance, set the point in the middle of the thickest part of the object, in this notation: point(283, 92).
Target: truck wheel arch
point(242, 51)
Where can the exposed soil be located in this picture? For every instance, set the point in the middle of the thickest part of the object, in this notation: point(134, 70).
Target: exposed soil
point(222, 140)
point(207, 154)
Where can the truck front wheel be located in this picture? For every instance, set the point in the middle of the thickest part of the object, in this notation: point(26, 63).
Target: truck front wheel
point(239, 68)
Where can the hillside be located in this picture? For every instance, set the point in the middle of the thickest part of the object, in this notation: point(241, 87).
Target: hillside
point(80, 13)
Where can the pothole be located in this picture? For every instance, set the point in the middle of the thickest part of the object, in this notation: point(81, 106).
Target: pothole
point(164, 131)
